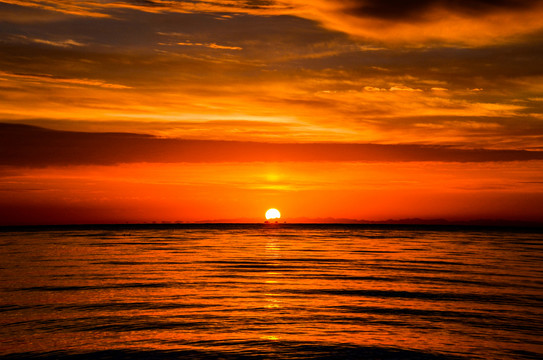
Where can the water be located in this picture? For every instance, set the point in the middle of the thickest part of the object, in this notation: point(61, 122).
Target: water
point(271, 292)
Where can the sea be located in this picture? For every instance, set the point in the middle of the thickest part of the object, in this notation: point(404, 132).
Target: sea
point(271, 291)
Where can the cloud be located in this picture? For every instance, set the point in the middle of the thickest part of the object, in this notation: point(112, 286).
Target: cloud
point(90, 8)
point(466, 22)
point(403, 88)
point(326, 83)
point(412, 22)
point(79, 8)
point(25, 13)
point(24, 145)
point(65, 43)
point(55, 80)
point(414, 10)
point(58, 43)
point(62, 43)
point(373, 88)
point(210, 45)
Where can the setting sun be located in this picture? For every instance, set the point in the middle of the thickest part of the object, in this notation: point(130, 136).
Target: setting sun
point(272, 214)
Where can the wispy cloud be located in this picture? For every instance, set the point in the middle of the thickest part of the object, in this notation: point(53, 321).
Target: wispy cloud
point(79, 8)
point(63, 43)
point(58, 43)
point(91, 8)
point(55, 80)
point(210, 45)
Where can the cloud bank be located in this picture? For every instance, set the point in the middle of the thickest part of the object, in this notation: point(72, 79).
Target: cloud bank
point(24, 145)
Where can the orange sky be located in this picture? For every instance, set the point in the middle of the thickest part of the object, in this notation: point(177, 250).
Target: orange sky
point(131, 111)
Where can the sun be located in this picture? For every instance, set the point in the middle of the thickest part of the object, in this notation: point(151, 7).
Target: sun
point(272, 214)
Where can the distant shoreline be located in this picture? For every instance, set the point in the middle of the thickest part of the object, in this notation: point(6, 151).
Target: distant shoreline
point(538, 227)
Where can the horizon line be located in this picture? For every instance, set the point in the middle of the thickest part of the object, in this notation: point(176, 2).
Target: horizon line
point(349, 222)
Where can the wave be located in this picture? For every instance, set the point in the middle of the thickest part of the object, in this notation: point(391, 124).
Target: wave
point(255, 350)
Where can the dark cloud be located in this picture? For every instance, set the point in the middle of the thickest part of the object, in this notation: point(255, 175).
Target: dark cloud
point(25, 145)
point(416, 9)
point(258, 4)
point(145, 3)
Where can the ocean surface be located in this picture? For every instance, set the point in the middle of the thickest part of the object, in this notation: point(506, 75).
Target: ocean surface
point(271, 292)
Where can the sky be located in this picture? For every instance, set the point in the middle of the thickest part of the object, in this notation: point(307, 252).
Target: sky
point(164, 110)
